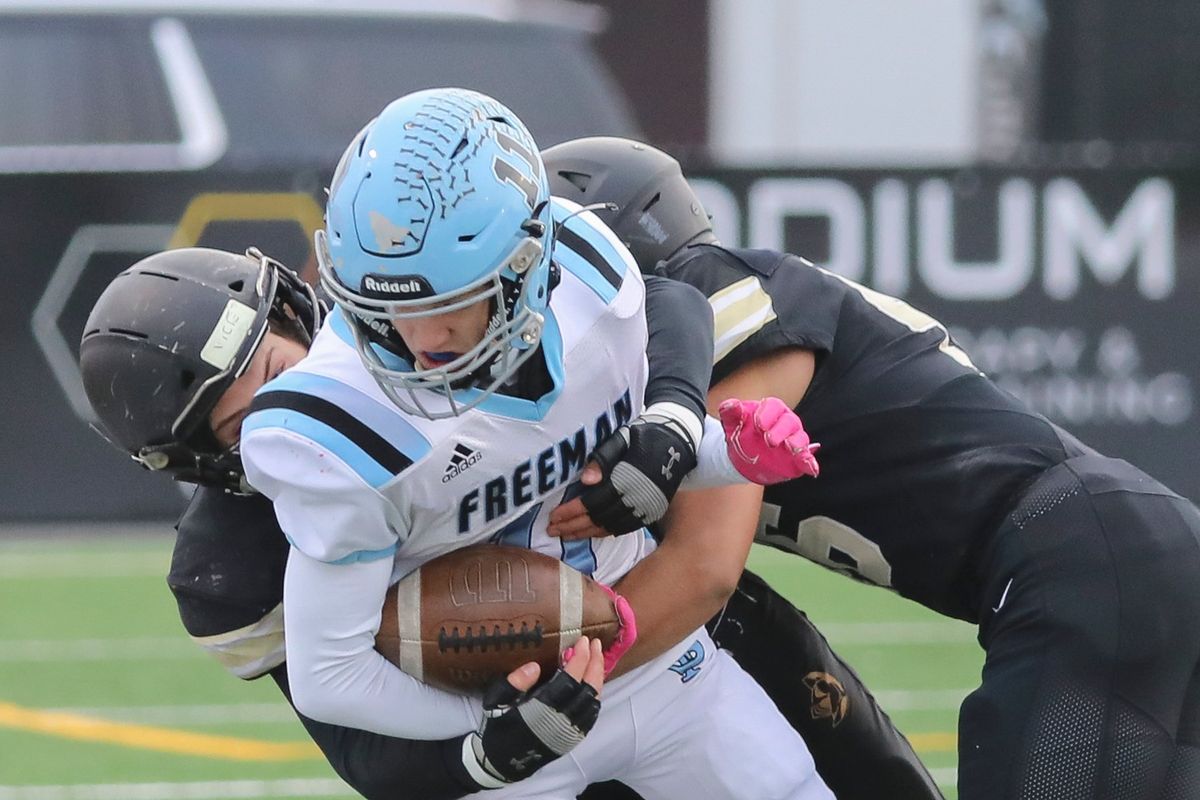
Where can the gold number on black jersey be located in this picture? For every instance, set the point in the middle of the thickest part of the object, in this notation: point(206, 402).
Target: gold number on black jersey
point(829, 543)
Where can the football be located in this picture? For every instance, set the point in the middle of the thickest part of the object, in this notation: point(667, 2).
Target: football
point(478, 613)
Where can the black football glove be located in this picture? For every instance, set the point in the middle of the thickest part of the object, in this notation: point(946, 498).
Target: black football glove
point(643, 464)
point(522, 732)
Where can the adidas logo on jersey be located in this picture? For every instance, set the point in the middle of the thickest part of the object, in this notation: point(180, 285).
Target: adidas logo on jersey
point(460, 462)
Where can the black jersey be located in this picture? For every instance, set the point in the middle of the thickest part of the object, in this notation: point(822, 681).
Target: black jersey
point(921, 454)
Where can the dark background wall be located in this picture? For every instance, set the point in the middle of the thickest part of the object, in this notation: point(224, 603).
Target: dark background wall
point(1125, 72)
point(658, 52)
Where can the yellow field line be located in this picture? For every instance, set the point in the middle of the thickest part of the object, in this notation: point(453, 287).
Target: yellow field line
point(934, 742)
point(147, 737)
point(170, 740)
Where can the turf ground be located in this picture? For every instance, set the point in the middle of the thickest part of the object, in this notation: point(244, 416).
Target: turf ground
point(103, 696)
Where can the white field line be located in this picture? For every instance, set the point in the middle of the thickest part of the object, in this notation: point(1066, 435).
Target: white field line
point(144, 648)
point(921, 699)
point(945, 777)
point(183, 715)
point(196, 790)
point(892, 700)
point(36, 566)
point(899, 633)
point(223, 790)
point(876, 634)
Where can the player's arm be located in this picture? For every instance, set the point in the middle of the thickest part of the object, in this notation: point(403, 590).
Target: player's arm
point(227, 577)
point(760, 442)
point(343, 535)
point(695, 568)
point(635, 472)
point(385, 767)
point(784, 373)
point(679, 345)
point(708, 534)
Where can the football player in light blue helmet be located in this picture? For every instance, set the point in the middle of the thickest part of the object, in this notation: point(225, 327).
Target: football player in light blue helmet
point(437, 243)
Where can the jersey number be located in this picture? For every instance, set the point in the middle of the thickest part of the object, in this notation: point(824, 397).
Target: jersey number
point(830, 544)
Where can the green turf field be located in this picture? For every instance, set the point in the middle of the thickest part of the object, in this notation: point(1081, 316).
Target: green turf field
point(103, 696)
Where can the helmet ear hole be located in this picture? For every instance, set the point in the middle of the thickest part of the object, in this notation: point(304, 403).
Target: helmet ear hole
point(186, 379)
point(579, 180)
point(654, 210)
point(237, 286)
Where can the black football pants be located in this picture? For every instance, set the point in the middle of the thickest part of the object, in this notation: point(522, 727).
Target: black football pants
point(1091, 623)
point(857, 749)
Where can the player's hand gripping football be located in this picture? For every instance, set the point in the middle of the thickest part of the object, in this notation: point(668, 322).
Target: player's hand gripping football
point(766, 441)
point(523, 730)
point(626, 631)
point(640, 469)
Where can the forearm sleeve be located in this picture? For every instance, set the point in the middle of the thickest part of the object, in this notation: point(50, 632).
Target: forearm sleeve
point(331, 615)
point(680, 348)
point(713, 467)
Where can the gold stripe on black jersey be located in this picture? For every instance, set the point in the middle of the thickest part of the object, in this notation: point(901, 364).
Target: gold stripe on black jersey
point(739, 311)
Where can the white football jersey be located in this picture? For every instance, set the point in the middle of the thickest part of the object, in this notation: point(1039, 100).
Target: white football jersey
point(366, 493)
point(491, 474)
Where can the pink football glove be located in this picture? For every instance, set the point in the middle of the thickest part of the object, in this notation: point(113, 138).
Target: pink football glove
point(626, 632)
point(766, 441)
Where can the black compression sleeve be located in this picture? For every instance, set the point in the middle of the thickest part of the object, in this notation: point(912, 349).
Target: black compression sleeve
point(680, 348)
point(384, 767)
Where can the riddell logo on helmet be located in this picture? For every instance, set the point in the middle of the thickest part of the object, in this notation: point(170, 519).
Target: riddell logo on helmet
point(407, 286)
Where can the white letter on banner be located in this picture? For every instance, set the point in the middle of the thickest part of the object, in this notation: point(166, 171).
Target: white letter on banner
point(975, 280)
point(1144, 231)
point(773, 200)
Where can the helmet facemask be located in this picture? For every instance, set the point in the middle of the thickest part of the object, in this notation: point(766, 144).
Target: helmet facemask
point(512, 336)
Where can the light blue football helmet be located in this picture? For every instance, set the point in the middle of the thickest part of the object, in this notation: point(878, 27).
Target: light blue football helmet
point(439, 202)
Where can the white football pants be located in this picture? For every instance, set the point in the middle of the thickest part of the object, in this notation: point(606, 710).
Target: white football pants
point(690, 723)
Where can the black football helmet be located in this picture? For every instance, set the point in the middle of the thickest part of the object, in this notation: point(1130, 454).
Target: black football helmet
point(649, 204)
point(165, 340)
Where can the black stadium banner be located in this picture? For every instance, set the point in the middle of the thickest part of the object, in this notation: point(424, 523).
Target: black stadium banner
point(1075, 289)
